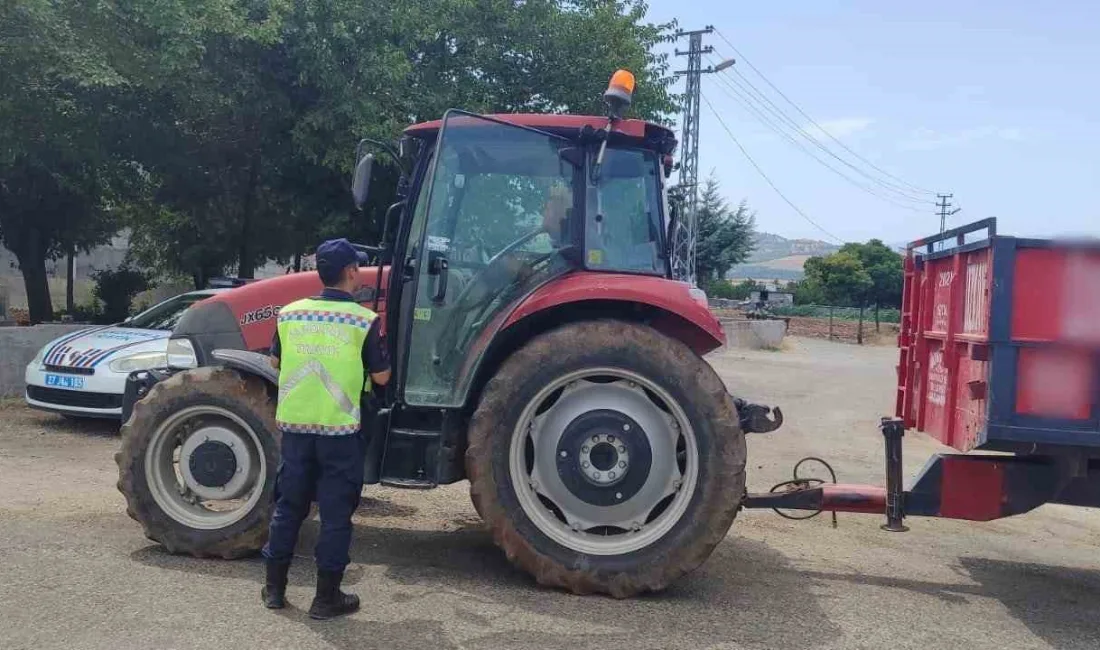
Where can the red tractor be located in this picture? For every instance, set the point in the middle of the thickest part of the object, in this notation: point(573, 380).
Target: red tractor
point(541, 350)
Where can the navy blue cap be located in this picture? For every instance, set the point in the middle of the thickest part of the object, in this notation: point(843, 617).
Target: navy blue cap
point(333, 256)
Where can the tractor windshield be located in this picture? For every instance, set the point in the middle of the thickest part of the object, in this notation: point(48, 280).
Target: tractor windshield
point(492, 222)
point(624, 229)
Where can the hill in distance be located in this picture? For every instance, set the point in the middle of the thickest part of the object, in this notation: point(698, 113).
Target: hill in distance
point(779, 258)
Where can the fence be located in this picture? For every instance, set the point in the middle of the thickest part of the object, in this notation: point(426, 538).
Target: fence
point(844, 323)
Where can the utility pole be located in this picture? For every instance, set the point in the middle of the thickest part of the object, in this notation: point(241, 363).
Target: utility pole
point(944, 205)
point(683, 257)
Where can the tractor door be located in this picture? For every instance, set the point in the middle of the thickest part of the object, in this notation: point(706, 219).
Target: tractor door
point(493, 221)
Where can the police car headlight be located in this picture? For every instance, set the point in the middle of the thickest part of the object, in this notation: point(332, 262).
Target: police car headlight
point(139, 361)
point(181, 354)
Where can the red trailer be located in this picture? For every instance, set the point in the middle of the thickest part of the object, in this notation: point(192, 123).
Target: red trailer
point(999, 351)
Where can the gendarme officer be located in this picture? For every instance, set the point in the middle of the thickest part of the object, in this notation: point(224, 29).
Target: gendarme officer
point(329, 353)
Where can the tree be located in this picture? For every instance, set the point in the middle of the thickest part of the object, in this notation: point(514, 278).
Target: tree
point(723, 238)
point(71, 71)
point(839, 278)
point(252, 147)
point(884, 266)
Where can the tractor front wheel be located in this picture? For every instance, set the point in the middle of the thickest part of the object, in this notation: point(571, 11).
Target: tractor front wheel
point(197, 463)
point(606, 457)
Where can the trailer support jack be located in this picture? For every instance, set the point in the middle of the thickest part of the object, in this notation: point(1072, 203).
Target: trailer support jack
point(893, 431)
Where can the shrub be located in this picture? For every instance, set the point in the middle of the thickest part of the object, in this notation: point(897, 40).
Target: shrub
point(115, 290)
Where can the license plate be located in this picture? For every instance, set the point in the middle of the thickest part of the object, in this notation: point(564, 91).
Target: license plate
point(64, 381)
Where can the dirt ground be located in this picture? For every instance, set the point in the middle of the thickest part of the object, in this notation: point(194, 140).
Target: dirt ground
point(76, 573)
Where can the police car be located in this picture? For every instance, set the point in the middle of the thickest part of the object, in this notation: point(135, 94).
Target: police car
point(83, 373)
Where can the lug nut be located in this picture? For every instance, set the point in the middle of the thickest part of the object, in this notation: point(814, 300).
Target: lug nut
point(612, 438)
point(611, 475)
point(595, 438)
point(622, 449)
point(584, 449)
point(584, 464)
point(622, 464)
point(595, 475)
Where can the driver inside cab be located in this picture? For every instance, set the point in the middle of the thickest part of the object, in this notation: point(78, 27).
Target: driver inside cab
point(555, 220)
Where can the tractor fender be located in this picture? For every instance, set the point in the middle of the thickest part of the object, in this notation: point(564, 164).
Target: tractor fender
point(252, 363)
point(675, 307)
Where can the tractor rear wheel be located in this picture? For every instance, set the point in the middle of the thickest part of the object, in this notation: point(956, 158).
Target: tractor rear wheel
point(197, 463)
point(606, 457)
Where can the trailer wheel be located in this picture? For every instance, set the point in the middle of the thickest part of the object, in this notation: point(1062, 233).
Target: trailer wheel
point(606, 457)
point(197, 463)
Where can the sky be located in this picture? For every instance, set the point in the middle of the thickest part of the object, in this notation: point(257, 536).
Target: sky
point(995, 102)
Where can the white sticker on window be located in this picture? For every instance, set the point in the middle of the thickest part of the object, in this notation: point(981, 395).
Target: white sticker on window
point(438, 244)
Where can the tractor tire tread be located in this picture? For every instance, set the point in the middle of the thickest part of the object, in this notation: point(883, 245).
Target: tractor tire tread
point(720, 495)
point(162, 399)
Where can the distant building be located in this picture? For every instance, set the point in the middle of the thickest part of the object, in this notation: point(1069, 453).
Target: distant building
point(776, 298)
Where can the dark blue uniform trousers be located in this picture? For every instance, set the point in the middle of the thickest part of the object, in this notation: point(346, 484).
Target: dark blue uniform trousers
point(330, 470)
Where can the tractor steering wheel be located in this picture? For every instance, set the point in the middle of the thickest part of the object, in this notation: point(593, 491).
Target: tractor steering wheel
point(464, 304)
point(490, 269)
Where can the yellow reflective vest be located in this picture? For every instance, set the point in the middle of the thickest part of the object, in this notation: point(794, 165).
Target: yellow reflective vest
point(321, 374)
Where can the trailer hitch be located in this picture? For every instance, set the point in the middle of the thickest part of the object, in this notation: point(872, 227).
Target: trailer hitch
point(754, 417)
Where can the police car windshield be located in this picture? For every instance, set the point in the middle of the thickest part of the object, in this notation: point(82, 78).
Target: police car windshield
point(165, 315)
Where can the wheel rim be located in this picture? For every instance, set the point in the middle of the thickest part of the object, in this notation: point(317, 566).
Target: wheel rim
point(584, 427)
point(205, 467)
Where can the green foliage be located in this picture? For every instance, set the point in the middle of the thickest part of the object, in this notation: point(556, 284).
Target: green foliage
point(839, 278)
point(720, 289)
point(857, 274)
point(115, 290)
point(221, 131)
point(724, 237)
point(806, 293)
point(884, 266)
point(838, 313)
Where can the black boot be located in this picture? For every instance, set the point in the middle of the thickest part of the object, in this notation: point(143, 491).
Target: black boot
point(274, 591)
point(330, 601)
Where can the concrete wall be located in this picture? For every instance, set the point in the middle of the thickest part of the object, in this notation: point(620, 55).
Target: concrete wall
point(18, 345)
point(754, 334)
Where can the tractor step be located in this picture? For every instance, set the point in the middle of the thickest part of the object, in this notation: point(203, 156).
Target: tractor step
point(410, 460)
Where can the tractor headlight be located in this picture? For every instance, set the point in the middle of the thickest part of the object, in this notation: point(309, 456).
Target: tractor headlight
point(181, 354)
point(139, 361)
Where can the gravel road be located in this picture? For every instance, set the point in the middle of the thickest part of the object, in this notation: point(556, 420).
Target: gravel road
point(76, 573)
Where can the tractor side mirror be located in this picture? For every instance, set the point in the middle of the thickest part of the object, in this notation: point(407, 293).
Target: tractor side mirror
point(360, 182)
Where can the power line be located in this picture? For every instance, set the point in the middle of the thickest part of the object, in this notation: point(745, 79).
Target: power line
point(752, 93)
point(741, 57)
point(765, 176)
point(746, 103)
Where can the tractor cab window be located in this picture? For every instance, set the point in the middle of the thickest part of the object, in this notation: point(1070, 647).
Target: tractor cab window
point(492, 223)
point(624, 222)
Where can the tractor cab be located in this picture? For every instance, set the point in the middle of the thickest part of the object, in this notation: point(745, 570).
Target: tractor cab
point(498, 206)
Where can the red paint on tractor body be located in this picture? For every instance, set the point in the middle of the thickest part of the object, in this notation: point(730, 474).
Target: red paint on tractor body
point(544, 122)
point(678, 313)
point(256, 305)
